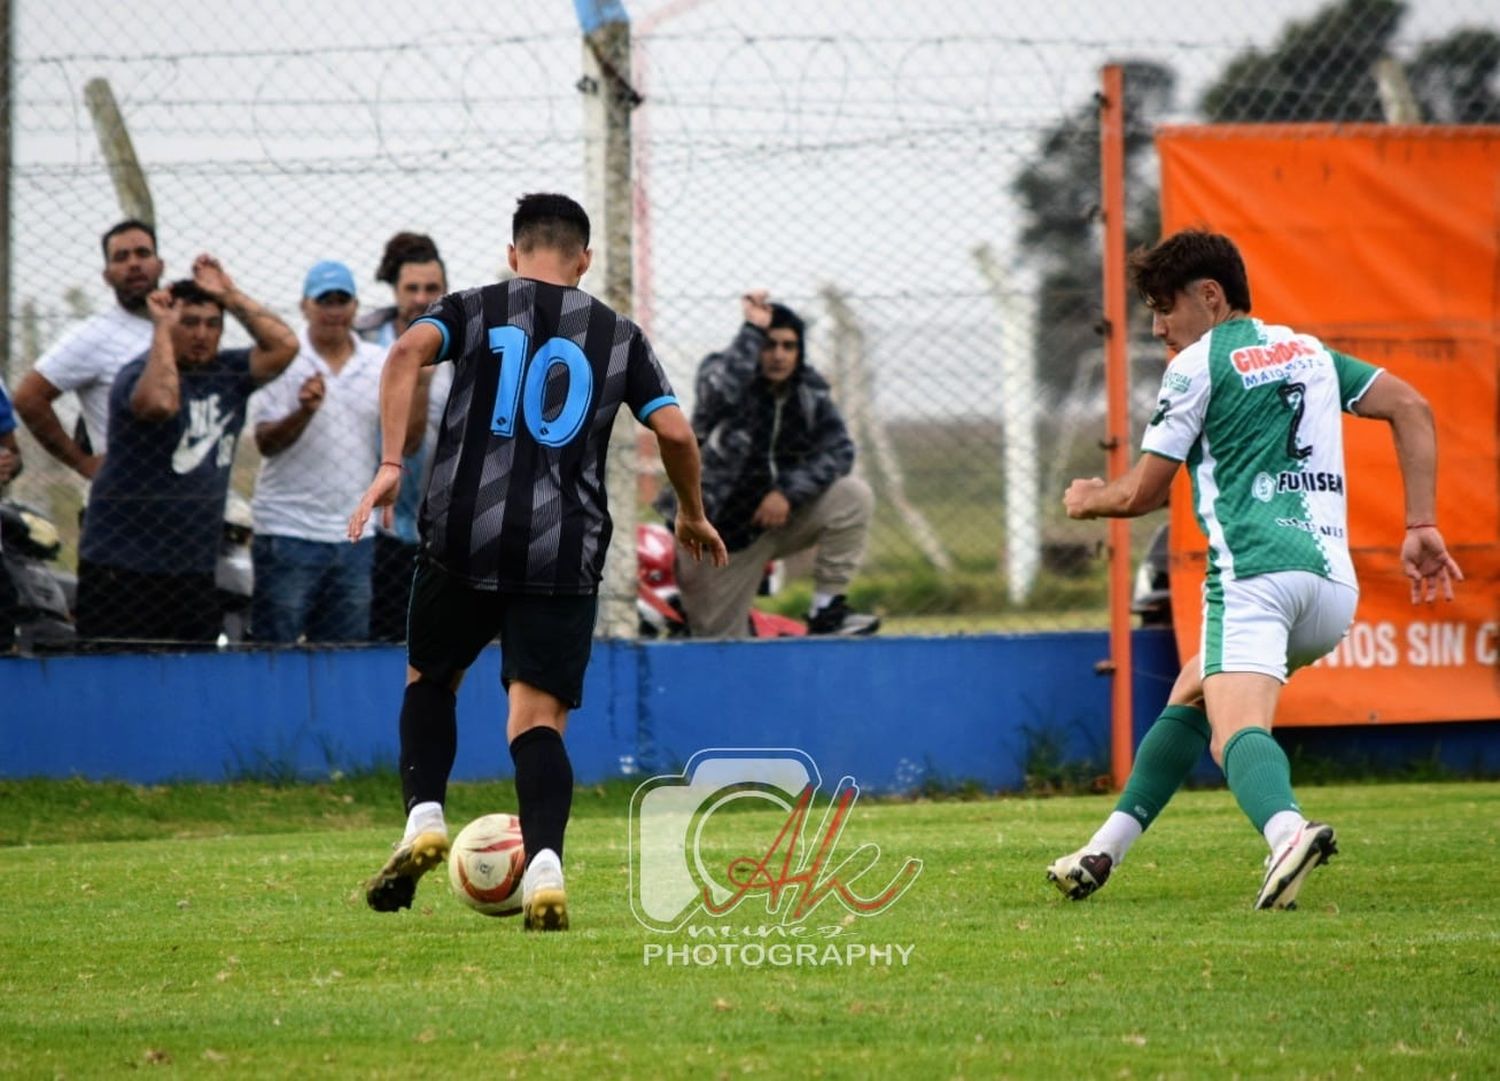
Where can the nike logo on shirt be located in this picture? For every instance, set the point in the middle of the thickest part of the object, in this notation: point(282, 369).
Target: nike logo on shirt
point(205, 429)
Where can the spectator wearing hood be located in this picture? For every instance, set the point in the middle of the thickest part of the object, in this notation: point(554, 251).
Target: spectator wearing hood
point(776, 478)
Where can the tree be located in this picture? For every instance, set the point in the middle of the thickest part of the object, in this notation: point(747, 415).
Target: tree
point(1322, 68)
point(1059, 194)
point(1454, 79)
point(1319, 69)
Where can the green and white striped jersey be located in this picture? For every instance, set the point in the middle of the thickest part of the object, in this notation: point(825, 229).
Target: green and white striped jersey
point(1254, 412)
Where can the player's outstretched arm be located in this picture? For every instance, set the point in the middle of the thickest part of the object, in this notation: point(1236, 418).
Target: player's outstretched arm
point(679, 456)
point(1424, 553)
point(1141, 490)
point(398, 383)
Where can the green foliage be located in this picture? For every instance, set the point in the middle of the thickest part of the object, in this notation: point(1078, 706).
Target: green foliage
point(41, 811)
point(1356, 768)
point(1454, 78)
point(1049, 769)
point(248, 952)
point(1059, 194)
point(1321, 68)
point(920, 589)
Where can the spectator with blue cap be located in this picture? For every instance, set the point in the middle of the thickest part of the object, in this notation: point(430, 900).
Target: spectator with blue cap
point(317, 430)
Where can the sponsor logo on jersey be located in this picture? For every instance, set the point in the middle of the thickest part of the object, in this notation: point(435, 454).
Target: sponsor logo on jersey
point(1308, 482)
point(1261, 364)
point(1311, 527)
point(1264, 487)
point(1255, 357)
point(1177, 383)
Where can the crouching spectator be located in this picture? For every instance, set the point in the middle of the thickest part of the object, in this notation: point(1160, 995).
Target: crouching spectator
point(776, 462)
point(155, 518)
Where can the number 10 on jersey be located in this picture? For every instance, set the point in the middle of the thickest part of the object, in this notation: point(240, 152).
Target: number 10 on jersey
point(521, 391)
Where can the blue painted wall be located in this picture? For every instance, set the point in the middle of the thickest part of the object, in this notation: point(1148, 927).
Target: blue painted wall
point(893, 712)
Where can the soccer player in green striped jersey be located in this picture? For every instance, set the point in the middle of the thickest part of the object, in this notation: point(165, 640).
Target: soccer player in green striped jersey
point(1253, 411)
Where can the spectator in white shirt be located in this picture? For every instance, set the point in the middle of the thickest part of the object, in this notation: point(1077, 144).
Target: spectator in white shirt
point(317, 427)
point(87, 358)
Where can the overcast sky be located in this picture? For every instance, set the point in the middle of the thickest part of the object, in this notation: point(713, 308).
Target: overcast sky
point(862, 145)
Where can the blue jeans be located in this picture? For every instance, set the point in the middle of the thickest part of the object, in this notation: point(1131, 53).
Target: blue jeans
point(310, 588)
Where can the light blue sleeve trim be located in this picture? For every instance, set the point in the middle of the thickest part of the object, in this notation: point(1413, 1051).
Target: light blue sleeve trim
point(592, 14)
point(443, 352)
point(653, 405)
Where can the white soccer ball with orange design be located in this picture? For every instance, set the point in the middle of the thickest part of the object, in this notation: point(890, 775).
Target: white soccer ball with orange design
point(485, 865)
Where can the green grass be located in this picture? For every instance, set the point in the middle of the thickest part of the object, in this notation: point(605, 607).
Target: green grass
point(221, 933)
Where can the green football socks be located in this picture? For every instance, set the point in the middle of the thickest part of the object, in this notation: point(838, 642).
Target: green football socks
point(1172, 747)
point(1259, 775)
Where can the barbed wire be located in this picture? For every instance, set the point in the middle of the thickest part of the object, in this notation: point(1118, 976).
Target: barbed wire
point(855, 158)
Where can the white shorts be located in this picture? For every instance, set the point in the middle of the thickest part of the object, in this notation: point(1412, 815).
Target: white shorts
point(1273, 623)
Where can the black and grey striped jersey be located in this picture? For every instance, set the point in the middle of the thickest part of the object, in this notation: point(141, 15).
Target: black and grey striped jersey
point(516, 498)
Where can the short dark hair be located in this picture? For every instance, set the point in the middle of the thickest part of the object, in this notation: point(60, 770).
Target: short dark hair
point(1160, 273)
point(549, 220)
point(783, 317)
point(125, 227)
point(190, 292)
point(406, 248)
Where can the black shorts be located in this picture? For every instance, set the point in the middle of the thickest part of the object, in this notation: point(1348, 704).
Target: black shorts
point(125, 609)
point(545, 640)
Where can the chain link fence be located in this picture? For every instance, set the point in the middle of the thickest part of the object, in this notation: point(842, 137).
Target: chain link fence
point(919, 183)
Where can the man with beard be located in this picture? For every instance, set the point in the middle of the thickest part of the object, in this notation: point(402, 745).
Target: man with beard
point(88, 357)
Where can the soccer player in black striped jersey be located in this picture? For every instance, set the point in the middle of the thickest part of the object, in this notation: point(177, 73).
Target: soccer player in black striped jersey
point(515, 525)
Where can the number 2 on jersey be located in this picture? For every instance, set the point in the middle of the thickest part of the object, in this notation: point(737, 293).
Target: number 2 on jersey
point(521, 391)
point(1294, 397)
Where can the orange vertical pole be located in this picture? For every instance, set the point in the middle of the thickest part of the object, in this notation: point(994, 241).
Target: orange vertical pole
point(1117, 383)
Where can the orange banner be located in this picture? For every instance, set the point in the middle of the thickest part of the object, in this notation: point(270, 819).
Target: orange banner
point(1383, 241)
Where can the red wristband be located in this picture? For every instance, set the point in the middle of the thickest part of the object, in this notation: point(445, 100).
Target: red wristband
point(1423, 525)
point(398, 465)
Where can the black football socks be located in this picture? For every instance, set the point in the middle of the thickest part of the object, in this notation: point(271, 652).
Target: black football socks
point(429, 742)
point(544, 788)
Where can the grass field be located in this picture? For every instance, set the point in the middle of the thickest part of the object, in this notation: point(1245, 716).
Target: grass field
point(217, 931)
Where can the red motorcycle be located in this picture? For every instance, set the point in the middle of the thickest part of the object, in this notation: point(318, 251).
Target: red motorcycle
point(658, 600)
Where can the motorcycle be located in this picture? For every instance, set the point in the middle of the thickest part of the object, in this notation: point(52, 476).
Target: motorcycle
point(234, 572)
point(1152, 595)
point(658, 599)
point(36, 598)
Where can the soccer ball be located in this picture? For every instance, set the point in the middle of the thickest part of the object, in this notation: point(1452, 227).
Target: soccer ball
point(485, 865)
